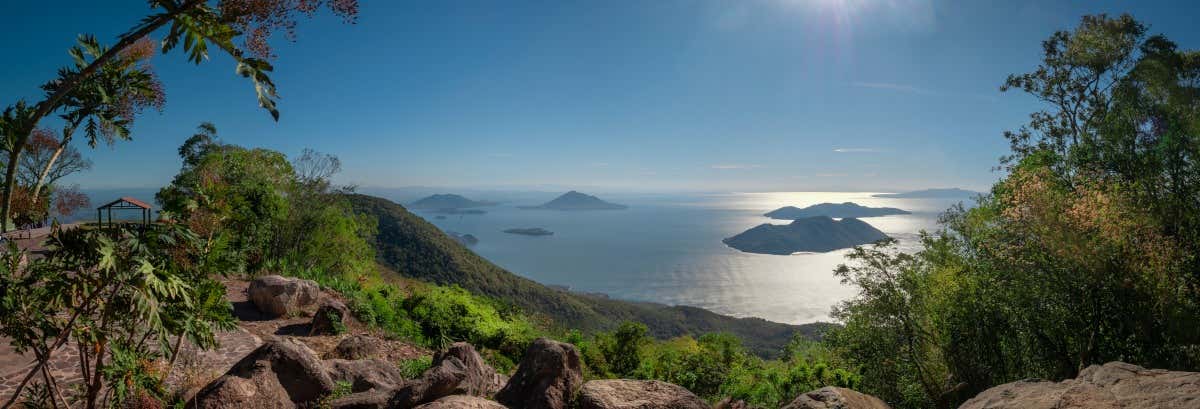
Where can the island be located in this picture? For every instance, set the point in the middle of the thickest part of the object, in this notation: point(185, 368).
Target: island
point(459, 211)
point(950, 193)
point(530, 231)
point(576, 201)
point(446, 201)
point(464, 239)
point(813, 234)
point(835, 210)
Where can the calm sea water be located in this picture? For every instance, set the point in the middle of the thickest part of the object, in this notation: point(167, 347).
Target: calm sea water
point(668, 249)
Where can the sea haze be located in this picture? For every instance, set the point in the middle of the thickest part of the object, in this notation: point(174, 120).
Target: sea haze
point(667, 249)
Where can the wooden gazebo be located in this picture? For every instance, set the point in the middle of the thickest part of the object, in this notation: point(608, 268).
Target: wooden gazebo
point(124, 203)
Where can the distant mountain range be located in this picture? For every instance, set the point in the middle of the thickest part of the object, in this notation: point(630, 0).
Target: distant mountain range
point(815, 234)
point(409, 245)
point(836, 210)
point(577, 201)
point(447, 201)
point(950, 193)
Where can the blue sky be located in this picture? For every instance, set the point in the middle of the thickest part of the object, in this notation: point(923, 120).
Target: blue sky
point(605, 95)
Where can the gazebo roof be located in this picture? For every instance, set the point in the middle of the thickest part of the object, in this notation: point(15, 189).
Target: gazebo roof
point(126, 202)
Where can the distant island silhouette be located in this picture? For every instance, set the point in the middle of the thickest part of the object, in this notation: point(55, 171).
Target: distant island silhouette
point(576, 201)
point(464, 239)
point(813, 234)
point(836, 210)
point(447, 201)
point(948, 193)
point(530, 231)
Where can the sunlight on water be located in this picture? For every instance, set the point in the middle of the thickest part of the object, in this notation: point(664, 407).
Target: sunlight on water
point(668, 249)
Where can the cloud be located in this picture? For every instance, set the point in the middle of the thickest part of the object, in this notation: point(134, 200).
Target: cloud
point(731, 166)
point(857, 150)
point(832, 175)
point(912, 89)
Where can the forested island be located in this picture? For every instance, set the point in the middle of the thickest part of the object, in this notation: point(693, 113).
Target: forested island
point(577, 201)
point(447, 202)
point(529, 231)
point(812, 234)
point(835, 210)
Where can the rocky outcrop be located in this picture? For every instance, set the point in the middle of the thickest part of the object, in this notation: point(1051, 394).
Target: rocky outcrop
point(547, 377)
point(831, 397)
point(1112, 385)
point(631, 394)
point(481, 379)
point(330, 318)
point(366, 374)
point(278, 296)
point(457, 371)
point(358, 347)
point(462, 402)
point(279, 374)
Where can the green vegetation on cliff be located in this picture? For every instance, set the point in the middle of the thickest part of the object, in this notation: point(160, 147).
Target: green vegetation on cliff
point(415, 248)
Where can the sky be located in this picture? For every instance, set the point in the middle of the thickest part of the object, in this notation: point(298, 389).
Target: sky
point(664, 95)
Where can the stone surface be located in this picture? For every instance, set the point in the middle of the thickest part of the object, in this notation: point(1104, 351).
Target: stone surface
point(330, 318)
point(462, 402)
point(442, 380)
point(633, 394)
point(278, 296)
point(481, 379)
point(1112, 385)
point(279, 374)
point(358, 347)
point(831, 397)
point(365, 374)
point(547, 377)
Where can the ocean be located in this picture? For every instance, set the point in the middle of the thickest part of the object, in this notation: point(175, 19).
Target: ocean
point(668, 249)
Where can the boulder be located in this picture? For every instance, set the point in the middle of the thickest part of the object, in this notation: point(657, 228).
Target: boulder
point(547, 377)
point(278, 296)
point(365, 374)
point(279, 374)
point(1112, 385)
point(330, 318)
point(358, 347)
point(831, 397)
point(631, 394)
point(462, 402)
point(442, 380)
point(481, 379)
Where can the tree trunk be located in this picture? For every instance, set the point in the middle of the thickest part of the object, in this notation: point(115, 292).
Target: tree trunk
point(10, 176)
point(37, 187)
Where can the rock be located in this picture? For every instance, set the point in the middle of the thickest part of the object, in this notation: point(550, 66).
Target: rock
point(831, 397)
point(439, 381)
point(279, 374)
point(366, 374)
point(1112, 385)
point(729, 403)
point(358, 347)
point(330, 318)
point(631, 394)
point(278, 296)
point(547, 377)
point(462, 402)
point(481, 379)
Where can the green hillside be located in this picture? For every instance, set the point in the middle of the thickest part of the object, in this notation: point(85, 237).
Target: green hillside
point(415, 248)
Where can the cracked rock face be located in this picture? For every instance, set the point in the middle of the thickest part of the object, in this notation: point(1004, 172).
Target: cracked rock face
point(1112, 385)
point(548, 376)
point(278, 296)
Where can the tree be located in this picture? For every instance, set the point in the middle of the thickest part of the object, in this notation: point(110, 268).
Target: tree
point(127, 293)
point(113, 77)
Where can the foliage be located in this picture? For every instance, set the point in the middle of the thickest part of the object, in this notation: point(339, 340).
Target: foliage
point(1084, 253)
point(128, 292)
point(413, 368)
